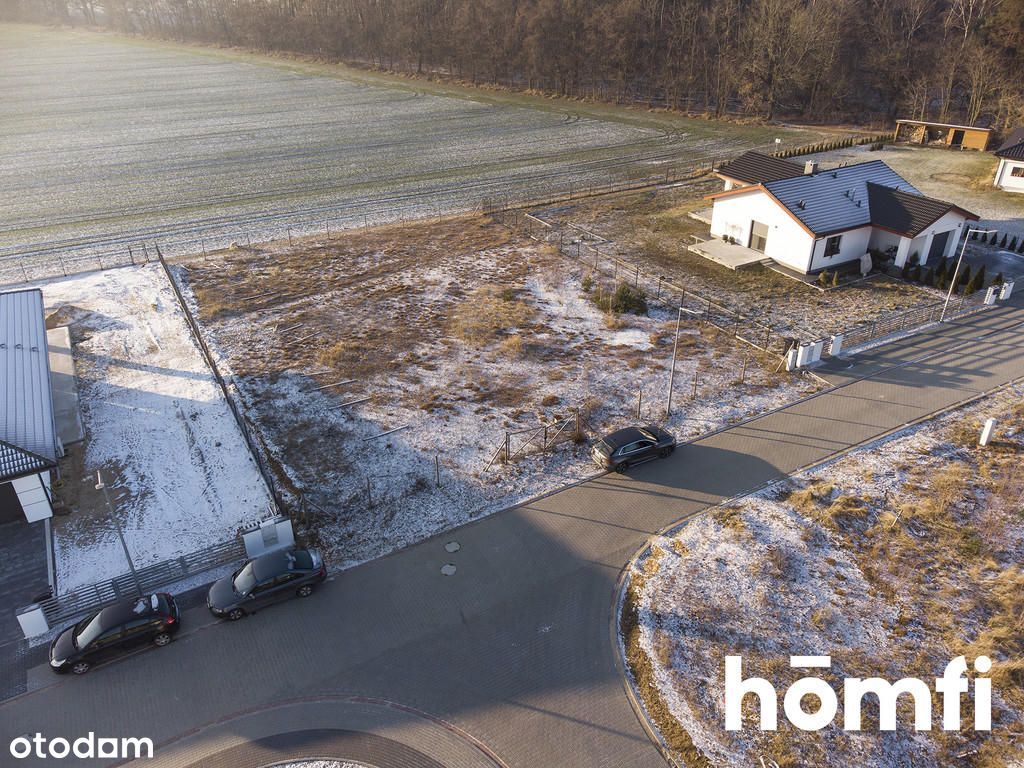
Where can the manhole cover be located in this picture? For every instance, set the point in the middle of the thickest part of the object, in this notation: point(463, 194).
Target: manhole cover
point(452, 546)
point(321, 764)
point(448, 569)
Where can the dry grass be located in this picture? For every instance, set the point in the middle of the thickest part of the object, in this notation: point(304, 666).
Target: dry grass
point(489, 313)
point(943, 552)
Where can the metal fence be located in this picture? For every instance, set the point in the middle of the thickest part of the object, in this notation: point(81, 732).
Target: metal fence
point(909, 320)
point(63, 608)
point(541, 438)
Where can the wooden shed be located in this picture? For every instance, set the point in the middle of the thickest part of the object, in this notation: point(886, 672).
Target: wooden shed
point(942, 134)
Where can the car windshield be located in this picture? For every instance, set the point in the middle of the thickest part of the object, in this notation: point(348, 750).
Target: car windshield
point(87, 631)
point(649, 435)
point(244, 580)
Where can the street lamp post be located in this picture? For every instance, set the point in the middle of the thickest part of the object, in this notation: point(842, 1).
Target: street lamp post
point(101, 486)
point(959, 261)
point(672, 374)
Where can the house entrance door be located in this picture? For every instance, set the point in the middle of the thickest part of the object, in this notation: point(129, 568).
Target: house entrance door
point(758, 236)
point(939, 243)
point(958, 139)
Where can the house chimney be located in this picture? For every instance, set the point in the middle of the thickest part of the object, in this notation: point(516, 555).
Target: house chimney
point(810, 167)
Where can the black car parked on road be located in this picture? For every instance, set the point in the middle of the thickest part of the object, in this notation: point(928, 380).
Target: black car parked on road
point(115, 630)
point(632, 445)
point(266, 580)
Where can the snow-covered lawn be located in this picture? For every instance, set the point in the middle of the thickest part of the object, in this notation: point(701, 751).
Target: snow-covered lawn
point(893, 560)
point(455, 332)
point(156, 425)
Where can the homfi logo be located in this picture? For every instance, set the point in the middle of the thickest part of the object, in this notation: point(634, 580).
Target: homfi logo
point(86, 747)
point(952, 686)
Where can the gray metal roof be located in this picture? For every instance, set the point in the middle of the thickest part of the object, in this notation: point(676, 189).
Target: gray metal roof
point(26, 413)
point(837, 199)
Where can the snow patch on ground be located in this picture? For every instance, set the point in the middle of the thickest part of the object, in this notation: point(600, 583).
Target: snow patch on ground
point(762, 578)
point(156, 425)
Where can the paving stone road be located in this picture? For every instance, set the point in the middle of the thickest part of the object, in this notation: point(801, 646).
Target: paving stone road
point(514, 653)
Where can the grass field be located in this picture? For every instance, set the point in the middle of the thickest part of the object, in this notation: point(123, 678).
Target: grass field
point(110, 141)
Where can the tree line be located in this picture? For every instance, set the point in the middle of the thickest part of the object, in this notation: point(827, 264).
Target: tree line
point(817, 60)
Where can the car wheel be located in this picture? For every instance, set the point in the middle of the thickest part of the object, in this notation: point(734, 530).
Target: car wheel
point(664, 452)
point(162, 639)
point(622, 467)
point(305, 590)
point(81, 667)
point(235, 614)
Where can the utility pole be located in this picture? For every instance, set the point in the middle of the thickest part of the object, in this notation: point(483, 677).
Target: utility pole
point(672, 374)
point(101, 486)
point(959, 261)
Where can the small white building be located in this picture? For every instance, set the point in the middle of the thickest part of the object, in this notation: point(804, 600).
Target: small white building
point(1010, 172)
point(29, 445)
point(812, 220)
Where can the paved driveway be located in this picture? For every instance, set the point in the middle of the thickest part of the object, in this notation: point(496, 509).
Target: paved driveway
point(514, 654)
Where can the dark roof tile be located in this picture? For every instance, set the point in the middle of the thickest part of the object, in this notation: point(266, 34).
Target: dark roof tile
point(755, 168)
point(1013, 147)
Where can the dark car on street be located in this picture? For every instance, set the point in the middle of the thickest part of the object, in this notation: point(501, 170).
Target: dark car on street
point(265, 580)
point(632, 445)
point(114, 631)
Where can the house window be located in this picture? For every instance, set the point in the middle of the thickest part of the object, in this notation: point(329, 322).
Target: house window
point(832, 246)
point(1018, 171)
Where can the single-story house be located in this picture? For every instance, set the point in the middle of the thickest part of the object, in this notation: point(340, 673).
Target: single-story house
point(29, 443)
point(946, 134)
point(814, 220)
point(1010, 172)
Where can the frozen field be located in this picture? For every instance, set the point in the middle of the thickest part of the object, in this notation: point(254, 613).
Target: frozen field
point(157, 426)
point(107, 142)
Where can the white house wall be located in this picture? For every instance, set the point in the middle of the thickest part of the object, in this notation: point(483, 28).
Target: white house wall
point(787, 243)
point(1005, 179)
point(853, 245)
point(882, 239)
